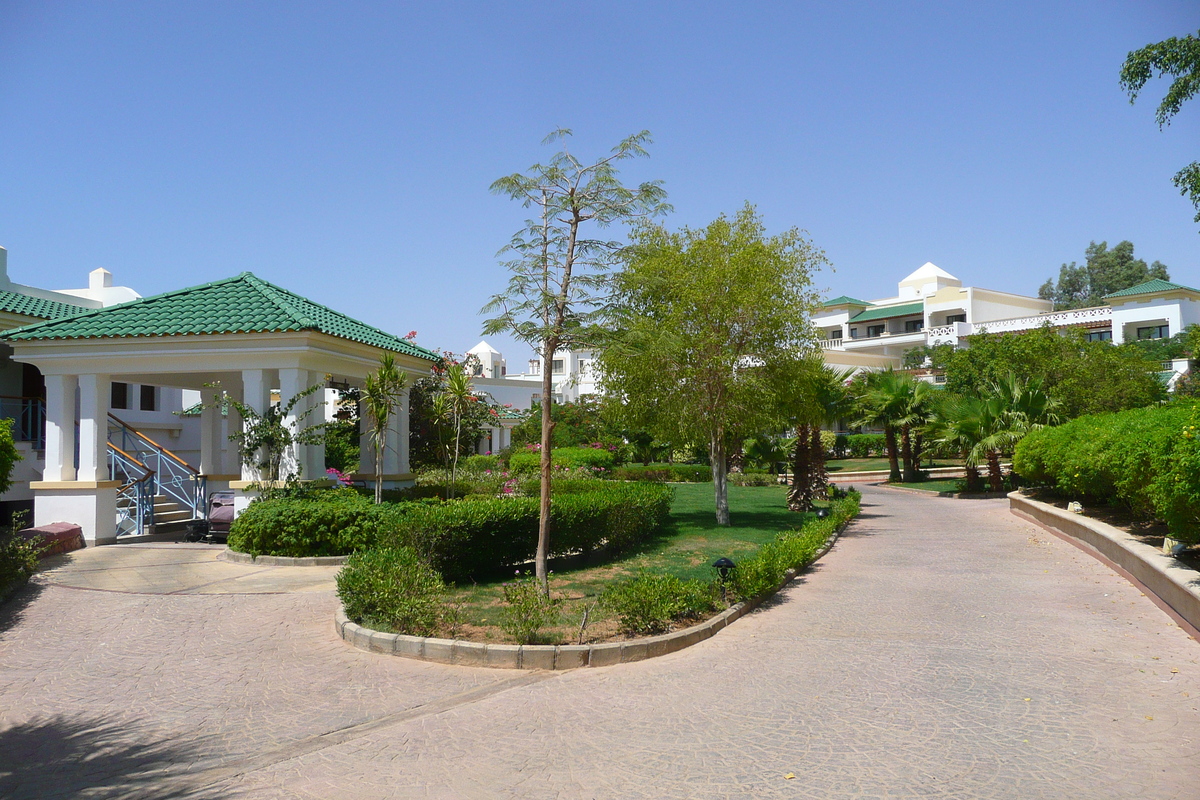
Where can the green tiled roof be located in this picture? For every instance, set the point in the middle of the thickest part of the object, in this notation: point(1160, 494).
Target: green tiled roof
point(887, 312)
point(1155, 286)
point(844, 300)
point(242, 304)
point(23, 304)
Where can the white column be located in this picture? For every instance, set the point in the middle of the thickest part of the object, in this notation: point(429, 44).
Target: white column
point(291, 383)
point(93, 427)
point(405, 444)
point(316, 402)
point(391, 449)
point(60, 428)
point(497, 436)
point(256, 395)
point(210, 432)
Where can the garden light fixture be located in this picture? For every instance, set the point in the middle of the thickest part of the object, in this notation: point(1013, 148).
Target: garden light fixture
point(723, 566)
point(822, 513)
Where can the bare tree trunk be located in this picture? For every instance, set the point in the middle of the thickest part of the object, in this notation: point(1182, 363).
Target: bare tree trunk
point(906, 453)
point(543, 546)
point(716, 453)
point(800, 494)
point(378, 470)
point(974, 480)
point(995, 479)
point(820, 478)
point(889, 434)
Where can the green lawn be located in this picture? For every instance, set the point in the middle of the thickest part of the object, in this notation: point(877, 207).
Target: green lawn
point(878, 464)
point(690, 543)
point(945, 485)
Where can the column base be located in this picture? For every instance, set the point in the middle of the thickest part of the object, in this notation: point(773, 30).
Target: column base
point(92, 505)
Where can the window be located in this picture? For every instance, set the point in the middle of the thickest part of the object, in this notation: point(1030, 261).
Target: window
point(148, 398)
point(836, 334)
point(914, 325)
point(558, 366)
point(953, 318)
point(1153, 332)
point(854, 333)
point(1098, 336)
point(119, 395)
point(939, 378)
point(875, 330)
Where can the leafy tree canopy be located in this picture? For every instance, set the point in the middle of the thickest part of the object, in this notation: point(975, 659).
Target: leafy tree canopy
point(1103, 272)
point(1179, 59)
point(1084, 377)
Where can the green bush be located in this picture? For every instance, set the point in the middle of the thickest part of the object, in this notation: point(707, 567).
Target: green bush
point(663, 473)
point(526, 610)
point(766, 570)
point(18, 560)
point(1146, 460)
point(593, 458)
point(841, 444)
point(331, 523)
point(391, 589)
point(479, 463)
point(753, 479)
point(829, 441)
point(481, 536)
point(650, 603)
point(866, 445)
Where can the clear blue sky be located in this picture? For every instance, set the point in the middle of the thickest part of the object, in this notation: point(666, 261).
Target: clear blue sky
point(345, 151)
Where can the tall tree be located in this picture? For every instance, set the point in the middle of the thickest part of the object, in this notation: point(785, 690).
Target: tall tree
point(1179, 59)
point(379, 396)
point(823, 399)
point(560, 275)
point(900, 404)
point(704, 324)
point(1103, 272)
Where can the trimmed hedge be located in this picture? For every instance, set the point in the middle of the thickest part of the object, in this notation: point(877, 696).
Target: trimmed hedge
point(334, 523)
point(569, 457)
point(663, 473)
point(753, 479)
point(1145, 459)
point(480, 536)
point(865, 445)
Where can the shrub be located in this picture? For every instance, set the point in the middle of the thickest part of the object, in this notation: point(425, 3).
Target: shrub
point(753, 479)
point(649, 603)
point(18, 560)
point(766, 570)
point(829, 441)
point(865, 445)
point(841, 445)
point(568, 457)
point(526, 610)
point(664, 473)
point(480, 536)
point(331, 523)
point(1145, 459)
point(391, 589)
point(479, 463)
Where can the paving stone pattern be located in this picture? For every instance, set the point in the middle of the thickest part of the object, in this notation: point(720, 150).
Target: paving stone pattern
point(944, 648)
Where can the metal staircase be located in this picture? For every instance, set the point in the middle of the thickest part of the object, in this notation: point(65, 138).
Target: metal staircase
point(159, 491)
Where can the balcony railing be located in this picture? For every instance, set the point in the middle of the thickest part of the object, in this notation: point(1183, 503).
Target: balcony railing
point(29, 419)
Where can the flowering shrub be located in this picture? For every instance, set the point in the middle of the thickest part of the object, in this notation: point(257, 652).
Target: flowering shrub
point(339, 476)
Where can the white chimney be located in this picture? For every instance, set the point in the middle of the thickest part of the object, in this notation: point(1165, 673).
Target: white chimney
point(99, 279)
point(4, 264)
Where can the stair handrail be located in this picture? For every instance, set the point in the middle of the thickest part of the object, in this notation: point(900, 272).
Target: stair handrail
point(153, 443)
point(138, 492)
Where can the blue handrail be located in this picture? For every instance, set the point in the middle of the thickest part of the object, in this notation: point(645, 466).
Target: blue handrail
point(164, 473)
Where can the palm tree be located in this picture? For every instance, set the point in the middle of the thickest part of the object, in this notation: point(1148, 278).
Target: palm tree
point(825, 401)
point(884, 405)
point(380, 394)
point(458, 399)
point(1015, 407)
point(961, 422)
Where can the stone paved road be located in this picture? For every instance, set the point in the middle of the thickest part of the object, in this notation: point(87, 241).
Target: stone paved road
point(942, 649)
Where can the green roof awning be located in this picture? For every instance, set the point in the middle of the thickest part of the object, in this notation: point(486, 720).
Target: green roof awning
point(844, 300)
point(23, 304)
point(1156, 286)
point(242, 304)
point(888, 312)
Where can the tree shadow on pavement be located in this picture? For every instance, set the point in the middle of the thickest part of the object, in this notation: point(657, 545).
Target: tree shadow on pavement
point(12, 610)
point(67, 757)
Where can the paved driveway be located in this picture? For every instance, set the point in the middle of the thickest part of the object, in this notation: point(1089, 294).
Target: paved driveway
point(942, 649)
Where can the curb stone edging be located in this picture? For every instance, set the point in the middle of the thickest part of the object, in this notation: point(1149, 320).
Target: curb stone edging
point(235, 557)
point(553, 656)
point(1176, 586)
